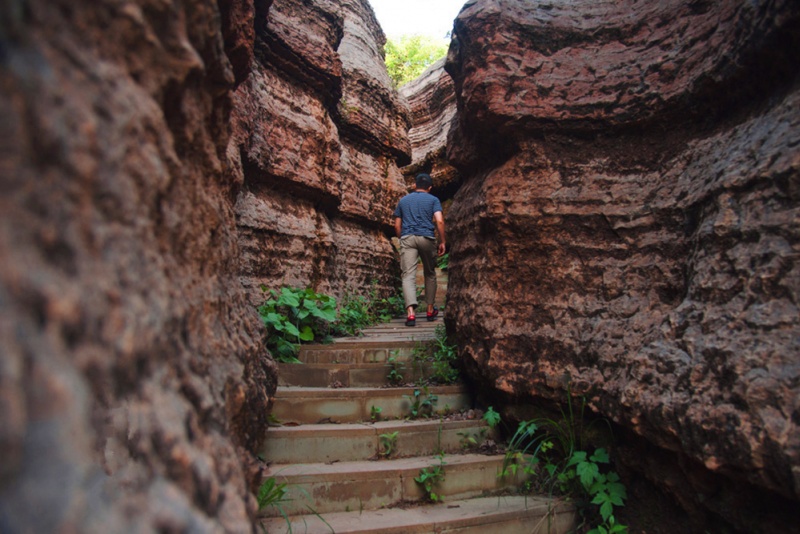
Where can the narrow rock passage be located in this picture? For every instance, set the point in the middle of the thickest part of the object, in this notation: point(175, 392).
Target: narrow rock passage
point(349, 451)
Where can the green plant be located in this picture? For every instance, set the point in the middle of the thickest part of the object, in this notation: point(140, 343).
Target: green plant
point(442, 356)
point(469, 440)
point(270, 493)
point(443, 261)
point(491, 417)
point(431, 476)
point(354, 314)
point(603, 490)
point(394, 377)
point(357, 312)
point(387, 308)
point(375, 413)
point(445, 355)
point(421, 403)
point(389, 443)
point(558, 447)
point(293, 316)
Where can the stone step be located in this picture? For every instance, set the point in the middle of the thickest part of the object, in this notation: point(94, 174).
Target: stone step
point(370, 485)
point(323, 375)
point(302, 405)
point(359, 352)
point(361, 441)
point(483, 515)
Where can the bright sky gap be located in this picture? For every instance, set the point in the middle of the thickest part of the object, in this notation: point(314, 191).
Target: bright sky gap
point(424, 17)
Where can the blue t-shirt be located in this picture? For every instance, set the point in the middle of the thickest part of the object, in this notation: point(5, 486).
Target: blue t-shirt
point(416, 209)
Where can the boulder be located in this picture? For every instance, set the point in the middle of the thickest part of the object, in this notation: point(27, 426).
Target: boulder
point(627, 229)
point(135, 383)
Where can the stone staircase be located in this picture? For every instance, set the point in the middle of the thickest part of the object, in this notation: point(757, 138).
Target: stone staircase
point(330, 451)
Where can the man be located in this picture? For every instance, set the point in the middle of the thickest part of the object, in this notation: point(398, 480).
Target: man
point(414, 220)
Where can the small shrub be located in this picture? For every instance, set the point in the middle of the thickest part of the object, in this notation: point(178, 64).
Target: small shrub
point(469, 440)
point(445, 356)
point(491, 417)
point(293, 316)
point(389, 443)
point(270, 493)
point(353, 315)
point(394, 376)
point(557, 446)
point(421, 403)
point(430, 477)
point(375, 413)
point(443, 261)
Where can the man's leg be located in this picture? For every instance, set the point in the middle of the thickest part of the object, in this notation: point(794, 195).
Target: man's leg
point(427, 251)
point(408, 268)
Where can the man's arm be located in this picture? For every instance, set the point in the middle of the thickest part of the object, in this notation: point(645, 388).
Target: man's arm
point(438, 218)
point(398, 226)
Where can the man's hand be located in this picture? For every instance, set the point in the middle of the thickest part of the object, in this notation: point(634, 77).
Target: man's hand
point(398, 226)
point(438, 219)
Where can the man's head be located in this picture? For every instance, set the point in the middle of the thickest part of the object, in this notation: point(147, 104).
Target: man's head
point(424, 181)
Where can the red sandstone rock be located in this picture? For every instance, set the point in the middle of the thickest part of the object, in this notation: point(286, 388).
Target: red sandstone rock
point(629, 222)
point(432, 100)
point(134, 381)
point(319, 133)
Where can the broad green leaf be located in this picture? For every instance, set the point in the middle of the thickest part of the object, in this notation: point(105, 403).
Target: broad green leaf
point(306, 334)
point(587, 471)
point(600, 498)
point(291, 329)
point(274, 319)
point(288, 298)
point(577, 457)
point(600, 456)
point(606, 509)
point(617, 492)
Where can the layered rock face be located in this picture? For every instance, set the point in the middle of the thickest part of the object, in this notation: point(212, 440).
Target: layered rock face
point(432, 100)
point(629, 224)
point(133, 379)
point(135, 383)
point(319, 136)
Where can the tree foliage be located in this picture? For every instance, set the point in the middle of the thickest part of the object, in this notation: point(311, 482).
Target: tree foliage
point(409, 55)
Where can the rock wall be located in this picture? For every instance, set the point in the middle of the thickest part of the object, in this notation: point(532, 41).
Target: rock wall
point(135, 386)
point(319, 135)
point(432, 100)
point(629, 224)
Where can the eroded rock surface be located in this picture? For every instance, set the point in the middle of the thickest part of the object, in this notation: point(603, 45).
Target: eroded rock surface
point(629, 223)
point(319, 136)
point(135, 386)
point(432, 100)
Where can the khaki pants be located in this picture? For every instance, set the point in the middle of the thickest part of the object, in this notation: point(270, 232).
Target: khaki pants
point(411, 247)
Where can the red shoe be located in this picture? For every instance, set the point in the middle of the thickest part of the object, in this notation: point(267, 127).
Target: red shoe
point(411, 321)
point(432, 315)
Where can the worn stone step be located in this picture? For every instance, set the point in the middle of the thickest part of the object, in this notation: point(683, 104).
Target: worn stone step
point(483, 515)
point(362, 441)
point(323, 375)
point(302, 405)
point(370, 485)
point(359, 352)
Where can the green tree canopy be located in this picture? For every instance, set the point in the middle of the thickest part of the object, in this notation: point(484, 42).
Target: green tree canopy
point(408, 56)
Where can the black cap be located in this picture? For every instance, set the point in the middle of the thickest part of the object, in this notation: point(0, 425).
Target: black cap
point(424, 181)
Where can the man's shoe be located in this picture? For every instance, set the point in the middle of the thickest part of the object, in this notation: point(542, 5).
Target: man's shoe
point(432, 315)
point(411, 321)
